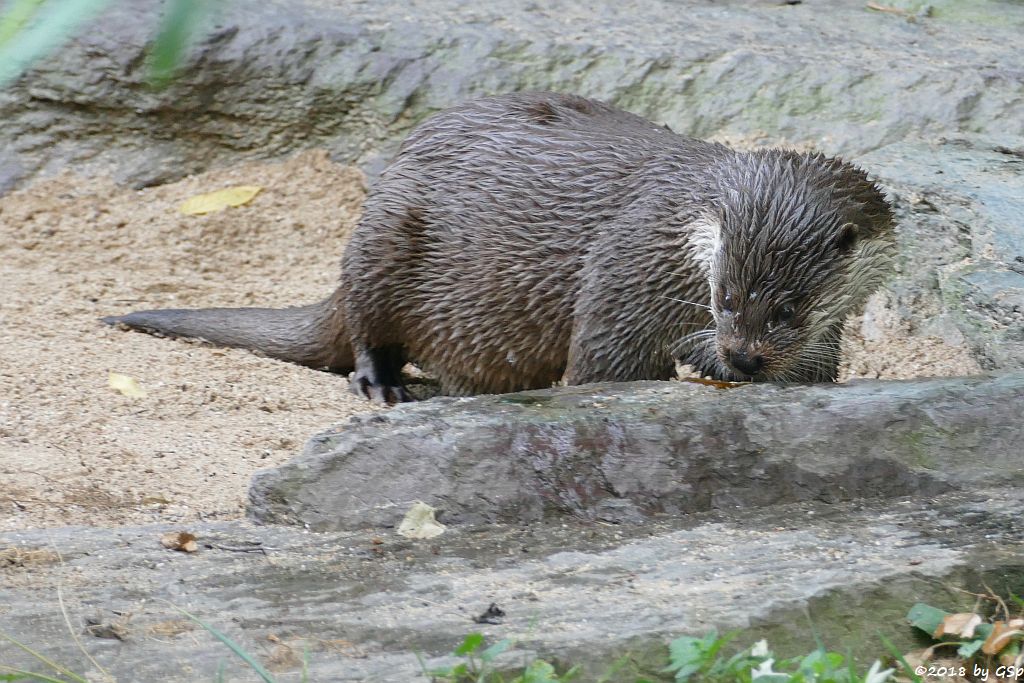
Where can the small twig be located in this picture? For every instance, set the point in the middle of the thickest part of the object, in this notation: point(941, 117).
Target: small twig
point(238, 548)
point(67, 617)
point(885, 8)
point(994, 596)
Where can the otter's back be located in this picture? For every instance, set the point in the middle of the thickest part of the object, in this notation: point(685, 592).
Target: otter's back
point(479, 227)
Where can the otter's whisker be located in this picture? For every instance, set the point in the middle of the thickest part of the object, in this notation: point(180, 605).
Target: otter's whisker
point(681, 301)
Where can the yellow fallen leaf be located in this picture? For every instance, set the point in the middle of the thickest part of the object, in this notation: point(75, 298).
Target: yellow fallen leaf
point(127, 385)
point(419, 522)
point(219, 200)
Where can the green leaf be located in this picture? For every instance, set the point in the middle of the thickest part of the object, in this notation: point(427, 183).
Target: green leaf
point(969, 648)
point(539, 671)
point(49, 26)
point(926, 617)
point(686, 657)
point(821, 663)
point(1011, 650)
point(496, 649)
point(472, 643)
point(713, 644)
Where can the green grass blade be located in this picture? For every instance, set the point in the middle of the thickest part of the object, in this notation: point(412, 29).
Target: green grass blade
point(177, 33)
point(53, 24)
point(615, 668)
point(44, 659)
point(19, 675)
point(232, 645)
point(900, 658)
point(16, 18)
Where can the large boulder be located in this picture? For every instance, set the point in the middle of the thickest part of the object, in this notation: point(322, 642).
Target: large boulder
point(274, 77)
point(627, 452)
point(361, 606)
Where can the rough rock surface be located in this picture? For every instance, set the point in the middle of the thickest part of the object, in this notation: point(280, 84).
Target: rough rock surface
point(623, 452)
point(364, 603)
point(959, 203)
point(274, 77)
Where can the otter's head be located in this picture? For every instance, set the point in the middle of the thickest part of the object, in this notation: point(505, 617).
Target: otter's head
point(802, 241)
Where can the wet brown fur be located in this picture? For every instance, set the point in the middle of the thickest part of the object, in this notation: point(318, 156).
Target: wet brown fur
point(523, 239)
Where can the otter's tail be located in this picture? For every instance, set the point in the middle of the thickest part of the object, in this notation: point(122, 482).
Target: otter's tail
point(311, 335)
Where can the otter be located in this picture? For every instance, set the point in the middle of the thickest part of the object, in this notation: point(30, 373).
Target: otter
point(525, 239)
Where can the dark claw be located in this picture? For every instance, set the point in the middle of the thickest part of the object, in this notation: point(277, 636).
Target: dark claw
point(378, 376)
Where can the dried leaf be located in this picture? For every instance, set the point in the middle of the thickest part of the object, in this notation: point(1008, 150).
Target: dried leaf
point(127, 385)
point(170, 628)
point(219, 200)
point(917, 657)
point(1001, 636)
point(960, 624)
point(179, 540)
point(419, 522)
point(718, 384)
point(26, 557)
point(156, 500)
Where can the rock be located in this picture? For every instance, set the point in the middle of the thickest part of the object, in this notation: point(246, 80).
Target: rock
point(364, 604)
point(276, 77)
point(11, 170)
point(627, 452)
point(961, 239)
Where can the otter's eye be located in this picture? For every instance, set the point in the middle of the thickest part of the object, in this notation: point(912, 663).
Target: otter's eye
point(727, 302)
point(785, 313)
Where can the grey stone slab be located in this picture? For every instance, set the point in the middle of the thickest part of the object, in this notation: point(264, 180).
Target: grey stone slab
point(625, 452)
point(364, 603)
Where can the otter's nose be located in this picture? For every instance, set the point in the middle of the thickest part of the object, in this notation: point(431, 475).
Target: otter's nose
point(745, 363)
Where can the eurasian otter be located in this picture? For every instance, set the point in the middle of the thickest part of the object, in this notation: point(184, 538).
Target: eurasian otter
point(523, 239)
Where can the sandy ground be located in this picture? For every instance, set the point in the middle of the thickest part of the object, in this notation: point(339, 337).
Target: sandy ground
point(73, 249)
point(74, 451)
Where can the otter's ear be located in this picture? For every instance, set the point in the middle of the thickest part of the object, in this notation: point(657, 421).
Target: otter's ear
point(874, 216)
point(846, 239)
